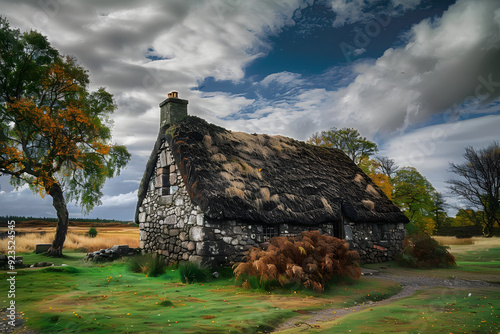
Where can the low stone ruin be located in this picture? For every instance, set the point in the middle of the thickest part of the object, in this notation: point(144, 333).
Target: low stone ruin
point(111, 254)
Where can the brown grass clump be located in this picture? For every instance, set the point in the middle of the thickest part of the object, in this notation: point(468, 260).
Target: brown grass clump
point(235, 192)
point(326, 205)
point(219, 158)
point(310, 260)
point(359, 179)
point(368, 204)
point(371, 190)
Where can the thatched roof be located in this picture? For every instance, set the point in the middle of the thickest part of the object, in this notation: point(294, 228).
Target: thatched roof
point(273, 179)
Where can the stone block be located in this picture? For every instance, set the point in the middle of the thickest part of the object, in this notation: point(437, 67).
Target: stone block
point(172, 168)
point(196, 233)
point(196, 259)
point(162, 170)
point(183, 236)
point(162, 181)
point(170, 220)
point(165, 200)
point(142, 217)
point(173, 178)
point(199, 219)
point(163, 191)
point(173, 232)
point(173, 190)
point(191, 246)
point(163, 159)
point(120, 248)
point(42, 248)
point(185, 256)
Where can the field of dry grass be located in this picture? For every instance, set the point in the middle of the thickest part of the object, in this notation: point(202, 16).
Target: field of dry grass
point(468, 244)
point(76, 238)
point(449, 241)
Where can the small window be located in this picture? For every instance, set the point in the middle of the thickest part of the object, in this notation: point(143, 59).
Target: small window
point(270, 232)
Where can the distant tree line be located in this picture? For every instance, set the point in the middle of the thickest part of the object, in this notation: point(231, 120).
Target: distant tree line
point(87, 220)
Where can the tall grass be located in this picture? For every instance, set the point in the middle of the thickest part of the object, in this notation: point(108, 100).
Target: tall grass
point(26, 243)
point(449, 241)
point(151, 264)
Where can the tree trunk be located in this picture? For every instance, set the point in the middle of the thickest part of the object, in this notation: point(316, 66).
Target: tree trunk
point(488, 228)
point(62, 220)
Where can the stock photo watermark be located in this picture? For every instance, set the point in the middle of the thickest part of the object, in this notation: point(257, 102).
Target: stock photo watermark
point(48, 10)
point(11, 274)
point(365, 34)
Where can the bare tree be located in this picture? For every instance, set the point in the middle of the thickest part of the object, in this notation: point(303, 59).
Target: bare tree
point(387, 166)
point(479, 183)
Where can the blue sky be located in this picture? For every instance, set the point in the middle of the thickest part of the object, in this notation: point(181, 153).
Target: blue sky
point(421, 78)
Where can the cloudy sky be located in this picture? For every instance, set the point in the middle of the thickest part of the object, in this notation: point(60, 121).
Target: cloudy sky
point(421, 78)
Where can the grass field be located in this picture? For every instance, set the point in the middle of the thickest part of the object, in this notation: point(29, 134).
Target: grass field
point(109, 298)
point(436, 310)
point(84, 297)
point(108, 235)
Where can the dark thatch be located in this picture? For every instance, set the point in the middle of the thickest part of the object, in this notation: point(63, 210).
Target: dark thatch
point(273, 179)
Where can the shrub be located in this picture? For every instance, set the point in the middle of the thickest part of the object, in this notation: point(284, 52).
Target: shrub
point(151, 264)
point(92, 232)
point(191, 272)
point(310, 260)
point(422, 251)
point(411, 229)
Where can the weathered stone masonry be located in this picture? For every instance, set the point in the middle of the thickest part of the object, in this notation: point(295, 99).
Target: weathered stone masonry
point(172, 225)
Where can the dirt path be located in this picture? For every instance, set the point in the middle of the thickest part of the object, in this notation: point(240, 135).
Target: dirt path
point(410, 284)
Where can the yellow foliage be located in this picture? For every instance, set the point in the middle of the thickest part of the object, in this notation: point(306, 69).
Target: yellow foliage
point(382, 181)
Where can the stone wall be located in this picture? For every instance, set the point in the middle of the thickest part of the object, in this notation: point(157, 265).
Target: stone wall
point(172, 225)
point(375, 242)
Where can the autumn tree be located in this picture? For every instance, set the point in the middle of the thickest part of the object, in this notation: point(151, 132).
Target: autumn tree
point(479, 183)
point(413, 195)
point(372, 168)
point(346, 139)
point(54, 134)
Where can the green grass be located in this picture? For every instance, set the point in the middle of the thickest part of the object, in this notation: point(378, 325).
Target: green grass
point(70, 258)
point(482, 255)
point(435, 310)
point(112, 299)
point(104, 298)
point(109, 298)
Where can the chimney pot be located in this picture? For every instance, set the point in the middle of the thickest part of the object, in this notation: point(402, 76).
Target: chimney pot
point(172, 110)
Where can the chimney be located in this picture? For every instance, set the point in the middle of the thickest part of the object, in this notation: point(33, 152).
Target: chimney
point(173, 109)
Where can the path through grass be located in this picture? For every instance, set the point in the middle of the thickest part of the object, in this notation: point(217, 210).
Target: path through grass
point(436, 310)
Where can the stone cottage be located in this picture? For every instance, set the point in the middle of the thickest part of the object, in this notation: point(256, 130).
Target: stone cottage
point(209, 194)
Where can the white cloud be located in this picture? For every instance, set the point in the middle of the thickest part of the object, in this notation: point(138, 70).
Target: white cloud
point(282, 78)
point(352, 11)
point(443, 63)
point(120, 200)
point(432, 148)
point(191, 40)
